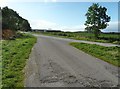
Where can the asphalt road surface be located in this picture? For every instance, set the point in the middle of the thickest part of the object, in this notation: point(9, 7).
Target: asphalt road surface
point(54, 63)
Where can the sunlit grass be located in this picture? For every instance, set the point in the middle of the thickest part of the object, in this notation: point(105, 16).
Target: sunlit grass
point(108, 54)
point(14, 56)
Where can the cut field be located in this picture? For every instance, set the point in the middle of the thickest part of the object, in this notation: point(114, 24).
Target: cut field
point(108, 54)
point(14, 56)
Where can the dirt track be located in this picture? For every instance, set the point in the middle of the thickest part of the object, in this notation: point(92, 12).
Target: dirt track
point(54, 63)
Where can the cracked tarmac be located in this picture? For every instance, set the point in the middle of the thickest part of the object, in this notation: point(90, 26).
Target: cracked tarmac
point(54, 63)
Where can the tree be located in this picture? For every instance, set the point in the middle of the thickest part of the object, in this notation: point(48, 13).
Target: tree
point(12, 22)
point(9, 18)
point(25, 26)
point(0, 24)
point(96, 19)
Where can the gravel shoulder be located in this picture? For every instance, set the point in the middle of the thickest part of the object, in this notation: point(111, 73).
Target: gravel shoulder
point(54, 63)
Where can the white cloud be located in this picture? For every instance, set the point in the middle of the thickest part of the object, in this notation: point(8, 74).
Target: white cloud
point(75, 28)
point(50, 0)
point(44, 24)
point(54, 0)
point(113, 27)
point(3, 3)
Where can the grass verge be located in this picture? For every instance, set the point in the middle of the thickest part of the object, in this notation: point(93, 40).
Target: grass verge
point(108, 54)
point(14, 56)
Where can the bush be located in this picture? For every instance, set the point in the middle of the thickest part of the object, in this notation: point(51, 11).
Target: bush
point(8, 34)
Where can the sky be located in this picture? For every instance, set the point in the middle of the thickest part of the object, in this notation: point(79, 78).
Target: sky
point(61, 15)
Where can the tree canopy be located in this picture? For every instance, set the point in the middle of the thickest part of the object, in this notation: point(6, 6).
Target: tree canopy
point(0, 18)
point(11, 20)
point(96, 19)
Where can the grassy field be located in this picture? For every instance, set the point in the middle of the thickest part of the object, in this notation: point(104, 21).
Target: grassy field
point(108, 54)
point(105, 38)
point(0, 64)
point(14, 56)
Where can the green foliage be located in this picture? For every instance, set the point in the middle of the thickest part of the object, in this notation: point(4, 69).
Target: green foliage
point(12, 20)
point(0, 15)
point(108, 54)
point(14, 56)
point(0, 20)
point(96, 19)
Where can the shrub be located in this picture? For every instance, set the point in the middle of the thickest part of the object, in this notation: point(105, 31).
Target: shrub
point(8, 34)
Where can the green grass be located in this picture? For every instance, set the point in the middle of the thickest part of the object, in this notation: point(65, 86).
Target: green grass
point(14, 56)
point(108, 54)
point(104, 38)
point(0, 64)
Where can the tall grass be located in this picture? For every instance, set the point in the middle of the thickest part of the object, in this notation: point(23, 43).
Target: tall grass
point(14, 56)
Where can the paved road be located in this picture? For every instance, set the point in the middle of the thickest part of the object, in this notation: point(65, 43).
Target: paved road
point(54, 63)
point(82, 41)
